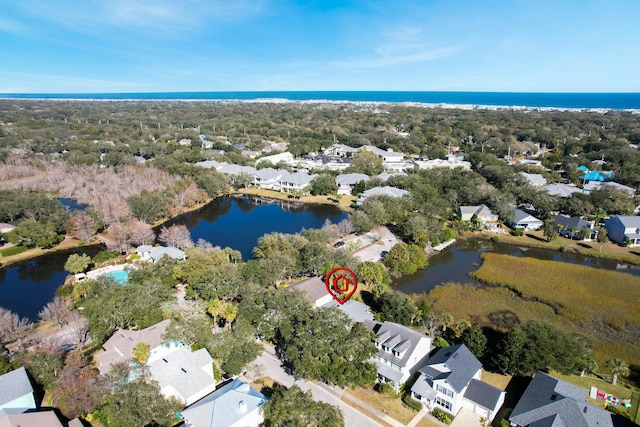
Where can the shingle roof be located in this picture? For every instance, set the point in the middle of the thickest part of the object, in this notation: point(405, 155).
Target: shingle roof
point(267, 174)
point(569, 222)
point(561, 190)
point(237, 169)
point(119, 347)
point(35, 419)
point(297, 178)
point(628, 221)
point(356, 310)
point(460, 362)
point(483, 394)
point(351, 178)
point(384, 191)
point(182, 369)
point(533, 178)
point(550, 401)
point(225, 406)
point(397, 337)
point(13, 385)
point(313, 287)
point(521, 215)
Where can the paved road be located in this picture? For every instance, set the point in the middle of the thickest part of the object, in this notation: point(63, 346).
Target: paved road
point(270, 366)
point(371, 251)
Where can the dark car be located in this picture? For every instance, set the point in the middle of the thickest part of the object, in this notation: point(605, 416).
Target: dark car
point(338, 244)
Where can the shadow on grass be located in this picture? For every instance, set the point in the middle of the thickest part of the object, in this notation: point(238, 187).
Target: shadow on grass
point(515, 389)
point(635, 253)
point(584, 245)
point(539, 239)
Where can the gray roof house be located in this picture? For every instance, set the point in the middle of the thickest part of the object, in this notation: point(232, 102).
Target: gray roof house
point(624, 229)
point(525, 220)
point(298, 181)
point(387, 156)
point(346, 181)
point(571, 227)
point(26, 419)
point(381, 191)
point(6, 228)
point(339, 150)
point(119, 347)
point(589, 186)
point(235, 404)
point(314, 289)
point(451, 381)
point(181, 373)
point(534, 179)
point(16, 391)
point(481, 212)
point(561, 190)
point(154, 253)
point(267, 178)
point(548, 401)
point(401, 352)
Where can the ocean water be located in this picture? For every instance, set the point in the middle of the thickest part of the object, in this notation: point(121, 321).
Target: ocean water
point(609, 101)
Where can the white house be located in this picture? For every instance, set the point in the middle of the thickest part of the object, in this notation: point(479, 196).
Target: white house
point(154, 253)
point(346, 182)
point(624, 229)
point(401, 352)
point(298, 181)
point(314, 289)
point(268, 178)
point(534, 179)
point(16, 391)
point(181, 373)
point(451, 381)
point(387, 156)
point(480, 212)
point(276, 158)
point(235, 404)
point(561, 190)
point(340, 150)
point(442, 164)
point(381, 191)
point(525, 220)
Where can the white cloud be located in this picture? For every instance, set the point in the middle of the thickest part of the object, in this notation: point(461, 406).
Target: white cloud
point(388, 56)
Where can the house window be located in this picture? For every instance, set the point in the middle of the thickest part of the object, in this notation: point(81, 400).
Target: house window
point(444, 403)
point(444, 390)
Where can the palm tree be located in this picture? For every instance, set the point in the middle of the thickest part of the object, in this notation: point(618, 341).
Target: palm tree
point(229, 313)
point(618, 367)
point(215, 309)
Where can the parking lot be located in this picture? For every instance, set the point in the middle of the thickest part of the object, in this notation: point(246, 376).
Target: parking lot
point(373, 245)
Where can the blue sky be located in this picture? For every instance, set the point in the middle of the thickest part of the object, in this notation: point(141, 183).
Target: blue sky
point(244, 45)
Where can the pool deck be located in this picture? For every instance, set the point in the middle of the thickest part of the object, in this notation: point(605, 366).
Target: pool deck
point(93, 274)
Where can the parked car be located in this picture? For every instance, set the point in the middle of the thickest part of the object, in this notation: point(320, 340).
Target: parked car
point(339, 244)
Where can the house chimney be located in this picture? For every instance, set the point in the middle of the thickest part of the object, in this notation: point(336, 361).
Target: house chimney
point(242, 406)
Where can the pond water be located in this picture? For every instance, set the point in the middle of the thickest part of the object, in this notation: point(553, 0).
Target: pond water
point(456, 262)
point(72, 204)
point(236, 222)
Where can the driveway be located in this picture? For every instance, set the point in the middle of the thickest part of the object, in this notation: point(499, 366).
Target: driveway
point(374, 244)
point(270, 366)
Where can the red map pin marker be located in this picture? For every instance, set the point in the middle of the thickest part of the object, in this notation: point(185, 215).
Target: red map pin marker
point(341, 283)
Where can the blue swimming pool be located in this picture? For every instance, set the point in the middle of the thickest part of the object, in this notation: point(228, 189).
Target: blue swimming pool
point(121, 277)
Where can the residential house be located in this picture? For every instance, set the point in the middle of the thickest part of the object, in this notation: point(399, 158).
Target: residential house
point(340, 150)
point(596, 176)
point(401, 352)
point(589, 186)
point(451, 381)
point(387, 156)
point(525, 220)
point(561, 190)
point(313, 289)
point(154, 253)
point(624, 229)
point(357, 311)
point(234, 170)
point(182, 373)
point(384, 176)
point(268, 178)
point(119, 347)
point(381, 191)
point(295, 182)
point(534, 179)
point(442, 164)
point(236, 404)
point(211, 164)
point(548, 401)
point(480, 213)
point(16, 392)
point(571, 227)
point(346, 182)
point(35, 419)
point(276, 158)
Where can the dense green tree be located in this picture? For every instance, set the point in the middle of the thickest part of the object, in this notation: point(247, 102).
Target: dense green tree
point(235, 348)
point(324, 184)
point(37, 234)
point(549, 230)
point(394, 306)
point(77, 263)
point(405, 259)
point(475, 340)
point(294, 408)
point(366, 162)
point(617, 367)
point(149, 206)
point(44, 366)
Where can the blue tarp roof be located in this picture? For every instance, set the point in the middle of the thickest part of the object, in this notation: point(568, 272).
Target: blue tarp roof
point(597, 176)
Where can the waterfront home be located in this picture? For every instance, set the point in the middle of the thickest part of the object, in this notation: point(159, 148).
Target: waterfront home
point(154, 253)
point(571, 227)
point(401, 352)
point(295, 182)
point(16, 392)
point(267, 178)
point(313, 289)
point(182, 373)
point(525, 220)
point(236, 404)
point(549, 401)
point(451, 381)
point(346, 182)
point(119, 347)
point(624, 229)
point(381, 191)
point(480, 213)
point(534, 179)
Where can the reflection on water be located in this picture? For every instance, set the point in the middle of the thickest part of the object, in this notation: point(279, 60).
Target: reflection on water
point(238, 222)
point(456, 262)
